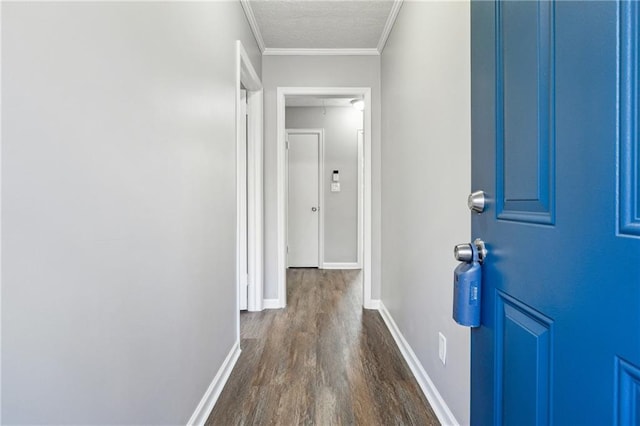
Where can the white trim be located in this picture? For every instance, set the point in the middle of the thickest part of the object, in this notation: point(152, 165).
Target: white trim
point(271, 304)
point(247, 76)
point(270, 51)
point(208, 401)
point(321, 203)
point(320, 133)
point(281, 216)
point(253, 23)
point(368, 246)
point(391, 20)
point(242, 193)
point(360, 213)
point(255, 202)
point(246, 73)
point(340, 265)
point(281, 254)
point(438, 404)
point(375, 304)
point(1, 6)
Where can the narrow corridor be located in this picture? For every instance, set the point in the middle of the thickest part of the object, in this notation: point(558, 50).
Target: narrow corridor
point(323, 360)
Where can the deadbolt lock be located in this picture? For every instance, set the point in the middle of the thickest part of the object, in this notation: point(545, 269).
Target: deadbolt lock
point(477, 201)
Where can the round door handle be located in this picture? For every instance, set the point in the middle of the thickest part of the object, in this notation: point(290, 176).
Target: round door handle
point(464, 252)
point(314, 209)
point(477, 201)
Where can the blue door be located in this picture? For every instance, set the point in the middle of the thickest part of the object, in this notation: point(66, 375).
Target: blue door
point(556, 148)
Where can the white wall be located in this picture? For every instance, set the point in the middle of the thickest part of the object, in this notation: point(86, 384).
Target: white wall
point(426, 179)
point(341, 125)
point(316, 71)
point(118, 199)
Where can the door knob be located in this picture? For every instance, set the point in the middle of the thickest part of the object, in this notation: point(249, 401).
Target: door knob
point(314, 209)
point(464, 252)
point(477, 201)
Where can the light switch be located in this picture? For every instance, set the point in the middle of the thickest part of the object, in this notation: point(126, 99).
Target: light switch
point(335, 187)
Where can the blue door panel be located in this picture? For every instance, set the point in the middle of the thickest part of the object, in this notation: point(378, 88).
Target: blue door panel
point(523, 346)
point(524, 55)
point(627, 394)
point(518, 48)
point(524, 111)
point(629, 119)
point(560, 341)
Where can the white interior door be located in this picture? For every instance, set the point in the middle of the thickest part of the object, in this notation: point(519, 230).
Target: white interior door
point(303, 199)
point(243, 281)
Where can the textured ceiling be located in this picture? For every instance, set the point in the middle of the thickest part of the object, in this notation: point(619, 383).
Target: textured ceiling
point(312, 24)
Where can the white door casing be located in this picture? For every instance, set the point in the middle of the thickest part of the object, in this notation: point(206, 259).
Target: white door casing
point(304, 200)
point(249, 164)
point(243, 269)
point(360, 196)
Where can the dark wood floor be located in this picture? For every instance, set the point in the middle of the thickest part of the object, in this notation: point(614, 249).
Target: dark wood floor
point(323, 360)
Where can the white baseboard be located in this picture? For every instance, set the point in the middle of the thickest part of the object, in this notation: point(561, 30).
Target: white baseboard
point(430, 391)
point(271, 304)
point(336, 265)
point(210, 397)
point(372, 304)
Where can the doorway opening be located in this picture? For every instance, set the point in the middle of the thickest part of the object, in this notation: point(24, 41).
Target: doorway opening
point(324, 223)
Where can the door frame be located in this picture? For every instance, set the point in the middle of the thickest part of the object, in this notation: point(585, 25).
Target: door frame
point(320, 133)
point(242, 196)
point(246, 76)
point(360, 195)
point(281, 254)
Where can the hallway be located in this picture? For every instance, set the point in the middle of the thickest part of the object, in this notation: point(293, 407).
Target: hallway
point(323, 360)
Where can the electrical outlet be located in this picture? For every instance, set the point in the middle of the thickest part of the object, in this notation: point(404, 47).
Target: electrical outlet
point(442, 348)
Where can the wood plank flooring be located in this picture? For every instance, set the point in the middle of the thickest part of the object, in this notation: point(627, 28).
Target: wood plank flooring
point(321, 361)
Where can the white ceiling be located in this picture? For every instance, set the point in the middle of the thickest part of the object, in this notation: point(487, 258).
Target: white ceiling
point(320, 24)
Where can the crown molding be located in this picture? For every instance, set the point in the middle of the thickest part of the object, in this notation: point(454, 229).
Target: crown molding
point(320, 52)
point(248, 11)
point(391, 20)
